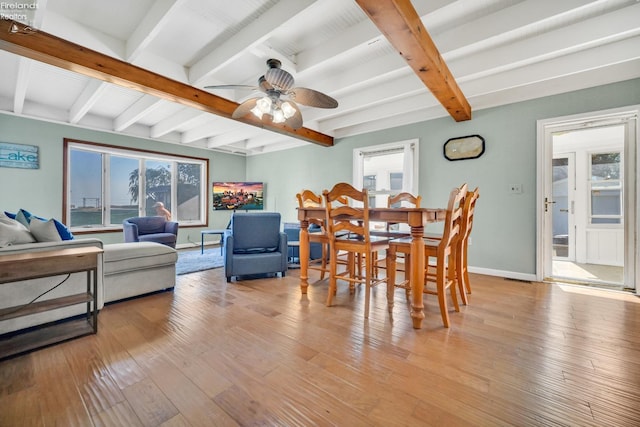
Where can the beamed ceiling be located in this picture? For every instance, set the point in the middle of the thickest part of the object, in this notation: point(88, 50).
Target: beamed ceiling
point(140, 68)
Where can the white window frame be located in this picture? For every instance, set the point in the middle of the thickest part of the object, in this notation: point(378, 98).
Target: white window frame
point(591, 186)
point(141, 155)
point(409, 170)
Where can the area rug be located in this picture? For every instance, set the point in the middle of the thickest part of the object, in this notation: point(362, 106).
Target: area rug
point(192, 261)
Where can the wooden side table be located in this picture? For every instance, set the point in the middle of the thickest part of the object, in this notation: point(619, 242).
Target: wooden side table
point(34, 265)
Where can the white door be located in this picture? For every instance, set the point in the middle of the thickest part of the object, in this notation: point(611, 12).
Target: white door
point(588, 200)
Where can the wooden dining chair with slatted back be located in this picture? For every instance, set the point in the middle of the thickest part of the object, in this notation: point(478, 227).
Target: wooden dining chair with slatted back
point(442, 250)
point(348, 231)
point(399, 200)
point(462, 276)
point(466, 225)
point(318, 232)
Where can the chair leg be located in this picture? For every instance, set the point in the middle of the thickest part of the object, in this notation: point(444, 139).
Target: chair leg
point(457, 265)
point(407, 273)
point(332, 276)
point(391, 277)
point(368, 275)
point(465, 273)
point(442, 298)
point(451, 283)
point(324, 261)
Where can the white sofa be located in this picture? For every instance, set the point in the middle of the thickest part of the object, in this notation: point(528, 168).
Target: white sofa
point(124, 270)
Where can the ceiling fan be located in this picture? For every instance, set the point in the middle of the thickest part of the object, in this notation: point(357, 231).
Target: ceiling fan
point(280, 99)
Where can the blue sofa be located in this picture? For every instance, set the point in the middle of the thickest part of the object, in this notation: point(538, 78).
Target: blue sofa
point(255, 246)
point(150, 229)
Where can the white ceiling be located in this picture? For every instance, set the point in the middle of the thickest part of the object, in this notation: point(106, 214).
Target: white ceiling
point(499, 51)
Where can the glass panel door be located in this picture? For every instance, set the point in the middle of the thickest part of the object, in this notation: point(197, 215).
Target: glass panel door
point(563, 183)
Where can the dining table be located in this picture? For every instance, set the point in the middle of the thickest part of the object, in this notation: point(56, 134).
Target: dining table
point(416, 218)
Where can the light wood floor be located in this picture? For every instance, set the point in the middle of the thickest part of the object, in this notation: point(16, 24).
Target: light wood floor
point(259, 353)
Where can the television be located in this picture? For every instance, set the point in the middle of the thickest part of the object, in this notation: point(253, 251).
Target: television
point(238, 196)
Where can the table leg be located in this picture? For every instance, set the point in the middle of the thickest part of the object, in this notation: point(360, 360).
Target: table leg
point(201, 243)
point(303, 253)
point(221, 243)
point(417, 276)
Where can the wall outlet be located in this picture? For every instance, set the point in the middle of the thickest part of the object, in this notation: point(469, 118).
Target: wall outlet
point(515, 188)
point(469, 241)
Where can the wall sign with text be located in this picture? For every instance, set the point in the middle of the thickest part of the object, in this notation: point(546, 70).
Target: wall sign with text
point(19, 156)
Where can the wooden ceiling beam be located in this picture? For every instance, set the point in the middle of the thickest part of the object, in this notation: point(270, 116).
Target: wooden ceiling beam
point(53, 50)
point(402, 26)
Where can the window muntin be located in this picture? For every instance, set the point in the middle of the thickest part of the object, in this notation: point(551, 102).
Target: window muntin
point(103, 186)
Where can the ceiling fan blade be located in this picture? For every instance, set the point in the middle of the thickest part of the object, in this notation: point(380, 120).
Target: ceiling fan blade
point(244, 108)
point(295, 121)
point(312, 98)
point(245, 87)
point(279, 78)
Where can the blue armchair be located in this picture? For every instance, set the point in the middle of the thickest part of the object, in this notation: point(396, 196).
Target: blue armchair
point(150, 229)
point(255, 246)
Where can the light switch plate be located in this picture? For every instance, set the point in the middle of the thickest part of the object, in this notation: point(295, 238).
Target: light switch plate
point(515, 188)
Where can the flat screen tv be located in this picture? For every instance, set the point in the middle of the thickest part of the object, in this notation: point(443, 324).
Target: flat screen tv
point(238, 196)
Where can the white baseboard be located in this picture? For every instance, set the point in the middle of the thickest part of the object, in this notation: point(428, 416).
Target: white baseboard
point(502, 273)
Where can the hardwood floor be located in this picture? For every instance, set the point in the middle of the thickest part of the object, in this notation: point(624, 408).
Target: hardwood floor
point(258, 352)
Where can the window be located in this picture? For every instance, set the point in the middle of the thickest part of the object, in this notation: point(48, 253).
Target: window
point(104, 185)
point(386, 169)
point(605, 188)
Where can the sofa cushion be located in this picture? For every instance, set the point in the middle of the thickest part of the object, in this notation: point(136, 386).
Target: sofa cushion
point(44, 231)
point(13, 233)
point(121, 257)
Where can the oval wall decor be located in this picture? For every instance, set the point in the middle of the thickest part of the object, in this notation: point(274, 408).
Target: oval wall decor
point(464, 147)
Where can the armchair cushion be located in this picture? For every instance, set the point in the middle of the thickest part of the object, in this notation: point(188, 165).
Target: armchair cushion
point(150, 229)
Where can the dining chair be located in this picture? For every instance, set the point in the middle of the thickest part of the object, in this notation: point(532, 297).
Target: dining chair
point(443, 250)
point(466, 224)
point(307, 198)
point(348, 231)
point(399, 200)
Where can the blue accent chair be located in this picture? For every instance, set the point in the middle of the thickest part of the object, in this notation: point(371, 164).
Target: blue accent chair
point(255, 246)
point(150, 229)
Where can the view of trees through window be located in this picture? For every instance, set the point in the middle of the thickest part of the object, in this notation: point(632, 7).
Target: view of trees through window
point(105, 186)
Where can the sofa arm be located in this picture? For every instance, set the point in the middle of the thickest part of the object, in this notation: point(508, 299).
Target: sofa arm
point(171, 227)
point(130, 231)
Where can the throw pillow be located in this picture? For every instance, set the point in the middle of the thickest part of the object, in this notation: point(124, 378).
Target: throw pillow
point(24, 217)
point(44, 231)
point(63, 230)
point(13, 233)
point(10, 215)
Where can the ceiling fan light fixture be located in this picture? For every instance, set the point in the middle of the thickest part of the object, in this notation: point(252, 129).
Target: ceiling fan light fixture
point(257, 112)
point(278, 116)
point(287, 110)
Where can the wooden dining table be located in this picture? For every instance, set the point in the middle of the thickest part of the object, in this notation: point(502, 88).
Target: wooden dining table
point(416, 218)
